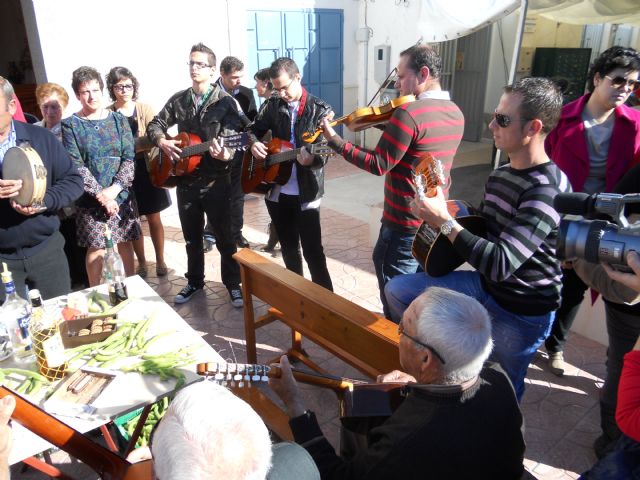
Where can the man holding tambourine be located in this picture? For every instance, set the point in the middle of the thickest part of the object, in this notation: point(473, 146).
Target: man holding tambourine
point(30, 243)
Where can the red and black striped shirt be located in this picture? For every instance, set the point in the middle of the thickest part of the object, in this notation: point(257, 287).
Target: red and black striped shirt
point(428, 125)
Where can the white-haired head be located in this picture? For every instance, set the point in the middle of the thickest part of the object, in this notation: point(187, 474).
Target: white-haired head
point(458, 327)
point(208, 432)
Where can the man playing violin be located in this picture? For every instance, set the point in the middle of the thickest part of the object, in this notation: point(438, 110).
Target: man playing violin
point(30, 241)
point(433, 123)
point(295, 206)
point(459, 416)
point(517, 274)
point(207, 111)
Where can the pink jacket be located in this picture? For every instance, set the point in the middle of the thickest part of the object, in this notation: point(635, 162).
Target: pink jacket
point(566, 144)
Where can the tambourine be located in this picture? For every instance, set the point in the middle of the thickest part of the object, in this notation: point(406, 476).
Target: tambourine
point(24, 163)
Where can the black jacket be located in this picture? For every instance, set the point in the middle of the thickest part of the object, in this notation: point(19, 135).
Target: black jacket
point(476, 433)
point(274, 116)
point(218, 116)
point(22, 236)
point(245, 98)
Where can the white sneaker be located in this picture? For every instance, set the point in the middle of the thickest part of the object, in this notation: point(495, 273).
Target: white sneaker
point(556, 363)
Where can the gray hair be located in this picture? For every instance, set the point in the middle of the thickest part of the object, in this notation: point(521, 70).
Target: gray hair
point(459, 328)
point(208, 432)
point(6, 88)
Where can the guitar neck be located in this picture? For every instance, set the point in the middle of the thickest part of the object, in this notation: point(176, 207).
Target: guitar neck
point(230, 141)
point(273, 371)
point(103, 461)
point(281, 157)
point(197, 149)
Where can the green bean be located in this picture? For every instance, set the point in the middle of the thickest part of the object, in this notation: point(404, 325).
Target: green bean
point(26, 373)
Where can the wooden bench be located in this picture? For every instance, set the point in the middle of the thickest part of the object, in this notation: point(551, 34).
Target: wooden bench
point(362, 339)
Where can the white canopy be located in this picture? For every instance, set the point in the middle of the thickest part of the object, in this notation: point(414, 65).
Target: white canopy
point(442, 20)
point(584, 12)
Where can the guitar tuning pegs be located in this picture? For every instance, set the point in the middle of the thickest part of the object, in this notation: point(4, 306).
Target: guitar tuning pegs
point(265, 371)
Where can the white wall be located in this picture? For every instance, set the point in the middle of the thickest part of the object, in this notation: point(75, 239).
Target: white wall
point(155, 49)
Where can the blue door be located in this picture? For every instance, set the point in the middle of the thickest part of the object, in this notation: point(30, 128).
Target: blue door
point(312, 38)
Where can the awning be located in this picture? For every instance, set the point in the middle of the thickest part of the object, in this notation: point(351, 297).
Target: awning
point(442, 20)
point(585, 12)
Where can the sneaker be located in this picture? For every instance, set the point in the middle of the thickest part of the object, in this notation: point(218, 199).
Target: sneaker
point(236, 297)
point(556, 363)
point(186, 293)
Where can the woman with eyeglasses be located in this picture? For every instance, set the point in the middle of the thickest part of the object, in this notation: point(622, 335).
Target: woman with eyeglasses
point(123, 89)
point(596, 141)
point(100, 143)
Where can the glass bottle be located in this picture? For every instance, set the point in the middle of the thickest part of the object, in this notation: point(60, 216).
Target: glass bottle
point(47, 342)
point(113, 272)
point(16, 314)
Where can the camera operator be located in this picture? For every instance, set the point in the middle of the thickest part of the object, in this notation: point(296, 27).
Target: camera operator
point(596, 141)
point(631, 280)
point(622, 315)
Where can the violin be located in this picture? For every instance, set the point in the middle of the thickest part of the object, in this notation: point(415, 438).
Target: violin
point(364, 117)
point(358, 398)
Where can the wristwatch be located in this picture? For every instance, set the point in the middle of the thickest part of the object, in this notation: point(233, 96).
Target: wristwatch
point(446, 227)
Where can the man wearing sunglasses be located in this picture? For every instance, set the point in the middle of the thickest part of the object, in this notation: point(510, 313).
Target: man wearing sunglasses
point(206, 111)
point(456, 406)
point(433, 124)
point(517, 274)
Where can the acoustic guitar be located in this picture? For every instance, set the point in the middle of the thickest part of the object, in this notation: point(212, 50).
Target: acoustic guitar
point(430, 248)
point(259, 175)
point(164, 171)
point(104, 462)
point(358, 398)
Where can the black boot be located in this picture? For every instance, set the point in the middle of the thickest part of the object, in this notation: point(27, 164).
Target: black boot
point(273, 239)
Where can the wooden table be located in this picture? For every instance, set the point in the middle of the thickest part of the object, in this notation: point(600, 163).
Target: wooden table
point(130, 391)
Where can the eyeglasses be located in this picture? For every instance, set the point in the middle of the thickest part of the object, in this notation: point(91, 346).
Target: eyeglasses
point(198, 65)
point(422, 344)
point(618, 82)
point(123, 88)
point(284, 89)
point(502, 120)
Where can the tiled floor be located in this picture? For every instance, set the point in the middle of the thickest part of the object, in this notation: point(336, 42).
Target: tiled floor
point(561, 414)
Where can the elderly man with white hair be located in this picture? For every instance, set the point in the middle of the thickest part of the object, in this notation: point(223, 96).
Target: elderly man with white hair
point(209, 433)
point(459, 419)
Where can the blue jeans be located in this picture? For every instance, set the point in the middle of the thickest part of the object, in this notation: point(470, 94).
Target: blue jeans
point(516, 337)
point(392, 256)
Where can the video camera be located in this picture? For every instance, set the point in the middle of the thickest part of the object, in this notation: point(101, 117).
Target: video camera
point(597, 240)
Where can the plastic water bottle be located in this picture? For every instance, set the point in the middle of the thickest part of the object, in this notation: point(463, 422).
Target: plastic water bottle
point(16, 315)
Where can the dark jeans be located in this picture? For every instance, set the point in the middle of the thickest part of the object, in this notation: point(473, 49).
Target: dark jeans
point(392, 256)
point(572, 294)
point(47, 270)
point(294, 227)
point(237, 200)
point(195, 198)
point(75, 253)
point(623, 328)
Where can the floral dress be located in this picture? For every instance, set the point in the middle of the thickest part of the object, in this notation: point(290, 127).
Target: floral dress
point(103, 151)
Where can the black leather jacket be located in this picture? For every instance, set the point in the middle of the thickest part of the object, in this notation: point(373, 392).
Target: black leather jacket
point(218, 116)
point(274, 116)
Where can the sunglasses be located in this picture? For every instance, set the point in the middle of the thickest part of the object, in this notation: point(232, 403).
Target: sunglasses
point(502, 120)
point(618, 82)
point(418, 342)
